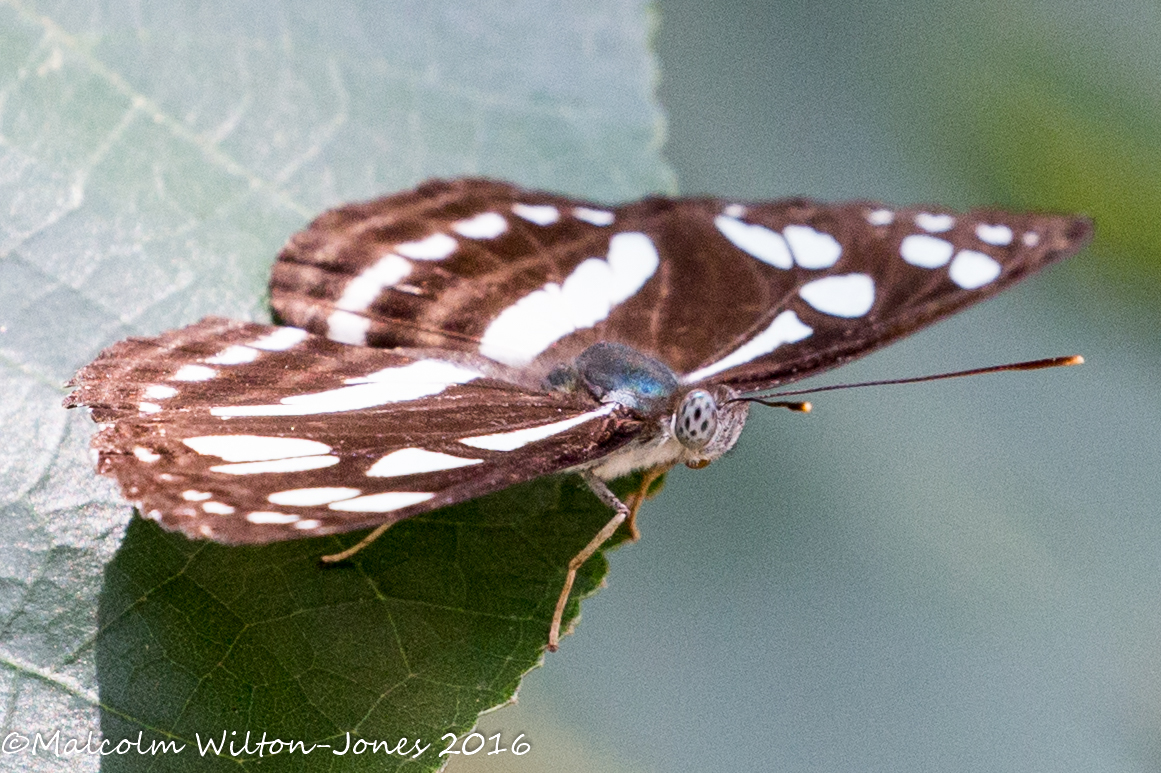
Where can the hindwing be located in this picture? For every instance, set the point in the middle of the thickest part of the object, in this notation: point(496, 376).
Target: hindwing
point(250, 433)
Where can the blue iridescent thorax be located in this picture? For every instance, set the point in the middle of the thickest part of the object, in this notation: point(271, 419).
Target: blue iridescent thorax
point(618, 373)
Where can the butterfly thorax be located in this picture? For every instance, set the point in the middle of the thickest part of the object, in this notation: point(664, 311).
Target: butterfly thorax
point(691, 426)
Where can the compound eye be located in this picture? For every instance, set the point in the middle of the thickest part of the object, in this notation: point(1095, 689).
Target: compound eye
point(696, 420)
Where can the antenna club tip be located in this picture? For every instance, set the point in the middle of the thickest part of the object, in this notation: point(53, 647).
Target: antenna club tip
point(1075, 359)
point(806, 408)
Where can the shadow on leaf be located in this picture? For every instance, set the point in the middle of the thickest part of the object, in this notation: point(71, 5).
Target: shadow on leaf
point(413, 637)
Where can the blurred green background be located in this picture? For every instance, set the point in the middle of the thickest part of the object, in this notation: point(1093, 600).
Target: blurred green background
point(958, 577)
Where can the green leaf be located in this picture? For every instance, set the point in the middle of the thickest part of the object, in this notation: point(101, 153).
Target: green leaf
point(153, 158)
point(419, 633)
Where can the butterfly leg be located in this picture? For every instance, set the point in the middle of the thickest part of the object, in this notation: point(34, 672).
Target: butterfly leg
point(609, 498)
point(640, 495)
point(344, 555)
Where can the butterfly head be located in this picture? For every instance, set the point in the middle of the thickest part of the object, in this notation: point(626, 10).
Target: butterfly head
point(707, 423)
point(696, 420)
point(694, 426)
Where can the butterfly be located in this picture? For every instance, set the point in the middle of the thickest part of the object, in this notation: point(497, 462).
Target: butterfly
point(467, 335)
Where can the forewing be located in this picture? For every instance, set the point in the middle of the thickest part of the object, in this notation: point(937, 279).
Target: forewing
point(863, 275)
point(433, 267)
point(247, 433)
point(752, 295)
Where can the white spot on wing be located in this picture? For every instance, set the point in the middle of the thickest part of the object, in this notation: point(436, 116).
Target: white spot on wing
point(811, 248)
point(434, 247)
point(347, 328)
point(233, 355)
point(599, 217)
point(311, 497)
point(999, 235)
point(972, 270)
point(589, 294)
point(633, 259)
point(194, 373)
point(263, 517)
point(734, 210)
point(389, 385)
point(934, 223)
point(145, 455)
point(510, 441)
point(382, 503)
point(1031, 239)
point(149, 407)
point(307, 524)
point(846, 295)
point(160, 391)
point(294, 464)
point(192, 495)
point(421, 371)
point(540, 214)
point(925, 251)
point(362, 291)
point(881, 217)
point(217, 508)
point(756, 240)
point(280, 340)
point(413, 461)
point(786, 328)
point(254, 448)
point(487, 225)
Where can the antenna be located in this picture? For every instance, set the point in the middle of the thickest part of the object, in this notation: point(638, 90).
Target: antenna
point(1051, 362)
